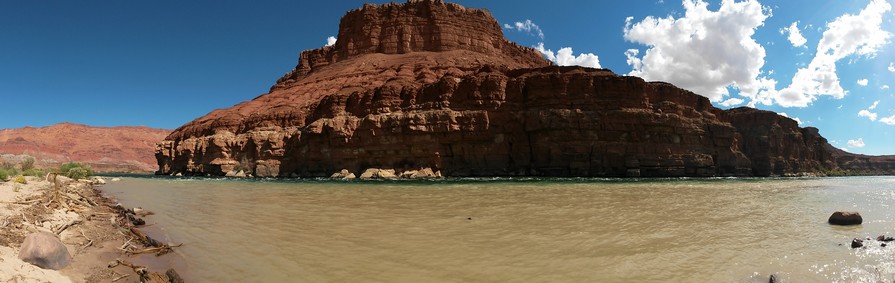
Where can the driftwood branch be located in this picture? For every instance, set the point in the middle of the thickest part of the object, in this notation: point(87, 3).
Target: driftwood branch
point(146, 276)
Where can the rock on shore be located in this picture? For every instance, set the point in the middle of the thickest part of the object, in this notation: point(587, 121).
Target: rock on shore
point(434, 84)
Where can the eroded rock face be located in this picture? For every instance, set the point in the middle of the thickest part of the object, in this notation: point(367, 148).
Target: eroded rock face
point(427, 84)
point(118, 149)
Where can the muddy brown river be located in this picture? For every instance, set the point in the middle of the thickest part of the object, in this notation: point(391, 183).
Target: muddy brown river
point(518, 230)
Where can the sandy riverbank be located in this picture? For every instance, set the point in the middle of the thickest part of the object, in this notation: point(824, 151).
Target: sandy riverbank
point(84, 220)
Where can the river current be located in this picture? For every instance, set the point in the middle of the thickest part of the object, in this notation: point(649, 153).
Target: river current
point(518, 230)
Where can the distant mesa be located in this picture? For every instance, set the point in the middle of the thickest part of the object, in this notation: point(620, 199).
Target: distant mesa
point(428, 84)
point(104, 149)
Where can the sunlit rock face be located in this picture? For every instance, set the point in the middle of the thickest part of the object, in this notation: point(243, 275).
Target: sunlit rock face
point(427, 84)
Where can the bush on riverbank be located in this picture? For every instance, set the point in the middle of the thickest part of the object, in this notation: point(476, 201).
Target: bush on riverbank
point(75, 170)
point(7, 170)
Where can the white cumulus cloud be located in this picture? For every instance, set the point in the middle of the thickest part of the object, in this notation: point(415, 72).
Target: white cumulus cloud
point(799, 121)
point(884, 87)
point(888, 120)
point(733, 101)
point(703, 51)
point(891, 67)
point(856, 143)
point(330, 40)
point(845, 36)
point(565, 57)
point(526, 26)
point(863, 82)
point(868, 114)
point(795, 36)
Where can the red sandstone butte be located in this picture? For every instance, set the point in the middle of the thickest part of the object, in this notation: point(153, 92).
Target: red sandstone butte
point(104, 149)
point(430, 84)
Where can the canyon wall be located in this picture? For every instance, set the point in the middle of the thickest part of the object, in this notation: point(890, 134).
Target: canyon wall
point(104, 149)
point(427, 84)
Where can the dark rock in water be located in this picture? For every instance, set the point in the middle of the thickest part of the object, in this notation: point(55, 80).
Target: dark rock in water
point(883, 238)
point(173, 277)
point(137, 221)
point(44, 250)
point(883, 245)
point(773, 279)
point(857, 243)
point(845, 218)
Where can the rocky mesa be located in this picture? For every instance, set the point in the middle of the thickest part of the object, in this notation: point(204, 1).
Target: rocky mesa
point(428, 84)
point(118, 149)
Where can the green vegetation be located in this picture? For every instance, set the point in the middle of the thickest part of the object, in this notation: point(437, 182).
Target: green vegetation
point(6, 170)
point(75, 170)
point(28, 164)
point(34, 172)
point(26, 168)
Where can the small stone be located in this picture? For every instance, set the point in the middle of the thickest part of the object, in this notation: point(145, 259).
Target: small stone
point(883, 238)
point(857, 243)
point(387, 174)
point(369, 173)
point(44, 250)
point(344, 174)
point(845, 218)
point(116, 179)
point(773, 279)
point(407, 174)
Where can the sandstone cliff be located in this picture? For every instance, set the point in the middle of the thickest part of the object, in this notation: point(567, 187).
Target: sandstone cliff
point(120, 149)
point(433, 84)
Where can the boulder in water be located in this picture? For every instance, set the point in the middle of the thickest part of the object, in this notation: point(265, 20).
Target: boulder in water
point(44, 250)
point(857, 243)
point(845, 218)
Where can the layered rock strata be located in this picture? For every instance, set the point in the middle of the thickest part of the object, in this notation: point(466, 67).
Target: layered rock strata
point(427, 84)
point(104, 149)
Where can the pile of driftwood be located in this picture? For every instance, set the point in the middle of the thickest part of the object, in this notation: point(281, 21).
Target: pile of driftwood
point(72, 195)
point(170, 276)
point(128, 220)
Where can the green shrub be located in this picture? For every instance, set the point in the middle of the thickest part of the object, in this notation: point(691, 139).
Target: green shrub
point(34, 172)
point(75, 170)
point(6, 170)
point(27, 164)
point(21, 180)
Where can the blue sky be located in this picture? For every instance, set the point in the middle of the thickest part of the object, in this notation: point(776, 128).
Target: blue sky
point(164, 63)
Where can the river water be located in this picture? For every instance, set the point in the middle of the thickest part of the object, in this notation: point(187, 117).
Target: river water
point(518, 230)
